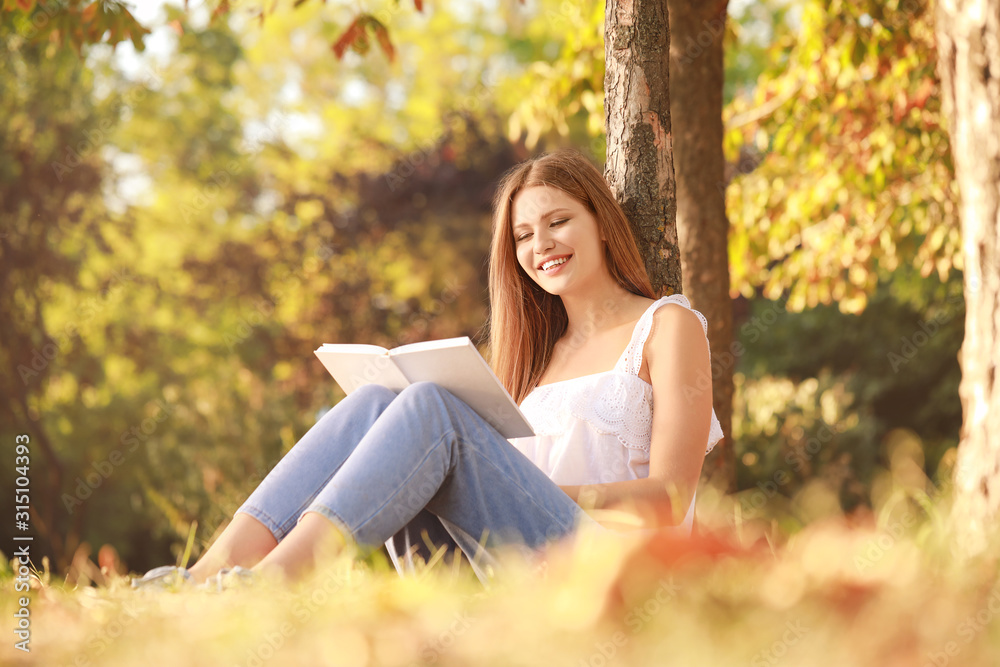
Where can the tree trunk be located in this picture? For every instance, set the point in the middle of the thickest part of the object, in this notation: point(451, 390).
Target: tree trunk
point(696, 77)
point(968, 36)
point(639, 165)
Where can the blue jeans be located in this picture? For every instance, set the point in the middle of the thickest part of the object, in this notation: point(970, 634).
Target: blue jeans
point(385, 467)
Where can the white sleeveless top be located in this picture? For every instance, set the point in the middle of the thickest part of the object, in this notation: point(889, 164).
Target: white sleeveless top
point(597, 428)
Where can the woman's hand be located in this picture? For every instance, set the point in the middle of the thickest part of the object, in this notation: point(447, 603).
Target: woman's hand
point(631, 503)
point(571, 491)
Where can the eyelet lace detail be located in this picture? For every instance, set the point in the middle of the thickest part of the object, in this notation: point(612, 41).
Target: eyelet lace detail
point(612, 403)
point(616, 402)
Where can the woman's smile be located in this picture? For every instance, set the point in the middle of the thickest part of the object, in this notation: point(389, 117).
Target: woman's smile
point(552, 266)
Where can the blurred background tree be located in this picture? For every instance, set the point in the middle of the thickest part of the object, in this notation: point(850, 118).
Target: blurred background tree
point(969, 66)
point(237, 195)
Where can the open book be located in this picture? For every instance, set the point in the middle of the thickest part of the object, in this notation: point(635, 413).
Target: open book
point(453, 363)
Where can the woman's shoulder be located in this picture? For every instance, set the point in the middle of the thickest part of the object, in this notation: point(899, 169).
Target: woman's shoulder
point(676, 325)
point(681, 314)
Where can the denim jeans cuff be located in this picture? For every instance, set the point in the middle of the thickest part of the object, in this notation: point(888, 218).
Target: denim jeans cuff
point(339, 523)
point(262, 516)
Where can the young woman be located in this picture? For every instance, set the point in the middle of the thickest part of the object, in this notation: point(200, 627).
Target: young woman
point(616, 384)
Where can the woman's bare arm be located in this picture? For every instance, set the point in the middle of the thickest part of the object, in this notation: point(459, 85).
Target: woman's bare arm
point(679, 365)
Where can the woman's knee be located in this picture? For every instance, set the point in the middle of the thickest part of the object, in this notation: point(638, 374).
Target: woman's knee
point(369, 399)
point(423, 391)
point(373, 393)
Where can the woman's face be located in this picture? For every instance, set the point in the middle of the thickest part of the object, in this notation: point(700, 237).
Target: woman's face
point(556, 240)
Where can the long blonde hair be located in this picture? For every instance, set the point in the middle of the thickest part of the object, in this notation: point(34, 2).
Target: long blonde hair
point(525, 320)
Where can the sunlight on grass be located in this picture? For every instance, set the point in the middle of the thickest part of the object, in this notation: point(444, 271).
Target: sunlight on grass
point(887, 587)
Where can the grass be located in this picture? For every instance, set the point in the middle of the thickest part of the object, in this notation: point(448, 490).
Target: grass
point(882, 588)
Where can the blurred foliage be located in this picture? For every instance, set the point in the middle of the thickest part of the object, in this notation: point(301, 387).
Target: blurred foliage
point(72, 23)
point(57, 239)
point(855, 177)
point(79, 23)
point(844, 236)
point(567, 85)
point(890, 370)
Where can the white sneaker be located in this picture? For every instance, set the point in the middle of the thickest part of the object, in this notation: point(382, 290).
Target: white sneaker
point(227, 578)
point(166, 577)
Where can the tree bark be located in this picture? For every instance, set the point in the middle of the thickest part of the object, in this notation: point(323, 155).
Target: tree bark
point(639, 165)
point(968, 36)
point(696, 77)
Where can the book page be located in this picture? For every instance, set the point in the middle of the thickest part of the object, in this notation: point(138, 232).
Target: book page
point(353, 366)
point(354, 348)
point(440, 344)
point(456, 365)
